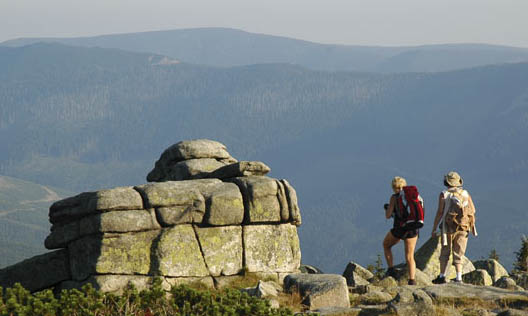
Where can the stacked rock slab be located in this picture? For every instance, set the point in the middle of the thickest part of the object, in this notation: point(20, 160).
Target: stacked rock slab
point(201, 225)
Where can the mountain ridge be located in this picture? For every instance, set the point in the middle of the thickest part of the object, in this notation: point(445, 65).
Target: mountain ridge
point(227, 47)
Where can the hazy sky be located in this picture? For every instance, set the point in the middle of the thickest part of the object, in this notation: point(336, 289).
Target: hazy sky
point(366, 22)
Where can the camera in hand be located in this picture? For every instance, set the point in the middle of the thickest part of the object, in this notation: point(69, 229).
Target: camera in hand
point(386, 206)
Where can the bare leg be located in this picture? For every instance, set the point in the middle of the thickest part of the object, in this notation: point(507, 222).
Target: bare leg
point(388, 242)
point(443, 266)
point(410, 245)
point(458, 267)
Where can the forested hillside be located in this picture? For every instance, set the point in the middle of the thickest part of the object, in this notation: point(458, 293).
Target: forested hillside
point(90, 118)
point(230, 47)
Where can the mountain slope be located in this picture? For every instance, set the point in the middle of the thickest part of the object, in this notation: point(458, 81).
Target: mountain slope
point(95, 118)
point(24, 218)
point(229, 47)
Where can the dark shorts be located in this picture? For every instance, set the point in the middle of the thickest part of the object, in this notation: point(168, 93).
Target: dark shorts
point(401, 233)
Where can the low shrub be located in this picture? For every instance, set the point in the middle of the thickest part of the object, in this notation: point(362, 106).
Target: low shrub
point(180, 300)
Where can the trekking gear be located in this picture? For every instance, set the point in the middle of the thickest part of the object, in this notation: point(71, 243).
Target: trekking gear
point(410, 208)
point(453, 179)
point(460, 214)
point(411, 282)
point(439, 280)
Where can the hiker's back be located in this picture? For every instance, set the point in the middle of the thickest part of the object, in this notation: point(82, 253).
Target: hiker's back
point(460, 214)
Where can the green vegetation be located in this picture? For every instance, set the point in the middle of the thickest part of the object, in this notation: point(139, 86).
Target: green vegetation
point(377, 268)
point(180, 300)
point(521, 262)
point(493, 255)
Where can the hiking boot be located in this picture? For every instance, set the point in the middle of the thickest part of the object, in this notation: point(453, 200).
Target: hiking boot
point(411, 282)
point(390, 272)
point(457, 281)
point(439, 280)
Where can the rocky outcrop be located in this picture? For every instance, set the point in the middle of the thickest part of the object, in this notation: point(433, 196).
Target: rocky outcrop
point(198, 230)
point(199, 159)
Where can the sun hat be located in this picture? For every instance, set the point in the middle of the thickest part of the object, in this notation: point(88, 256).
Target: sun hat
point(453, 179)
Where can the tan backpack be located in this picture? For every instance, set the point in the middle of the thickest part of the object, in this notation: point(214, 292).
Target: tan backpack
point(460, 213)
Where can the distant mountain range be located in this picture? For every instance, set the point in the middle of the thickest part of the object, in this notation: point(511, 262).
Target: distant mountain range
point(89, 118)
point(229, 47)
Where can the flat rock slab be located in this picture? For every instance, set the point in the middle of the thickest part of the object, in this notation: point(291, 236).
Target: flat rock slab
point(319, 290)
point(39, 272)
point(466, 291)
point(70, 209)
point(128, 253)
point(177, 253)
point(271, 248)
point(222, 249)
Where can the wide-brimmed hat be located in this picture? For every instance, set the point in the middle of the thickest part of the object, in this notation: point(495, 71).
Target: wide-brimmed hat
point(453, 179)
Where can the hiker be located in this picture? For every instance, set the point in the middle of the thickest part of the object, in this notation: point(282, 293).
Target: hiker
point(398, 231)
point(456, 212)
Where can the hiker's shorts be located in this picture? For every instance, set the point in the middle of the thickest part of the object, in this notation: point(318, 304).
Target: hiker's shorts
point(457, 243)
point(401, 233)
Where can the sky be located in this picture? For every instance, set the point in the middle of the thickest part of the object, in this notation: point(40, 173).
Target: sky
point(353, 22)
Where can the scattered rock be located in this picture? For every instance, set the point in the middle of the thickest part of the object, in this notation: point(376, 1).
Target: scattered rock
point(513, 312)
point(402, 276)
point(493, 267)
point(305, 268)
point(478, 277)
point(375, 298)
point(387, 282)
point(507, 283)
point(452, 292)
point(415, 302)
point(356, 274)
point(319, 290)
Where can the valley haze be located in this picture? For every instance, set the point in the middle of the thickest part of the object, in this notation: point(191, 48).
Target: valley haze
point(337, 121)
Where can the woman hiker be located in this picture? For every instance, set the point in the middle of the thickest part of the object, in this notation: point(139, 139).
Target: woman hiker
point(398, 232)
point(456, 212)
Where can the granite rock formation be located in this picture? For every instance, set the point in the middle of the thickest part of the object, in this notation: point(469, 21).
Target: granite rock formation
point(203, 217)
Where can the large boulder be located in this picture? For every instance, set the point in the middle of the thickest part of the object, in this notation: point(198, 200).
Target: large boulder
point(319, 290)
point(427, 260)
point(39, 272)
point(493, 267)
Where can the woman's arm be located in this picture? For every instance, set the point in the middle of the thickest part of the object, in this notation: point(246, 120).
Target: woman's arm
point(390, 209)
point(439, 213)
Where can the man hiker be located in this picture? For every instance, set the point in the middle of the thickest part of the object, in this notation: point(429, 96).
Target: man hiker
point(456, 213)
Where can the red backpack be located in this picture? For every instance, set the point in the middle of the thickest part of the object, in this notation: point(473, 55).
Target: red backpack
point(410, 207)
